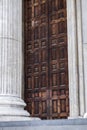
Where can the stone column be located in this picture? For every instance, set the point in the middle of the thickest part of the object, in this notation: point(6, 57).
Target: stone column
point(73, 58)
point(77, 56)
point(80, 58)
point(84, 38)
point(11, 103)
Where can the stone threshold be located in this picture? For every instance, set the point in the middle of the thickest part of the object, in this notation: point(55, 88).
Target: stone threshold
point(42, 123)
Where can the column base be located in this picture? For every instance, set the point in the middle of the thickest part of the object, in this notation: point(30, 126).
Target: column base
point(12, 109)
point(85, 115)
point(12, 106)
point(15, 118)
point(78, 117)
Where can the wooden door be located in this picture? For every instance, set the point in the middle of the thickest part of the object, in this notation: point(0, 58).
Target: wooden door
point(46, 68)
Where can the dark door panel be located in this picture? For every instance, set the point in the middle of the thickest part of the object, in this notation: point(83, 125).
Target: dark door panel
point(46, 60)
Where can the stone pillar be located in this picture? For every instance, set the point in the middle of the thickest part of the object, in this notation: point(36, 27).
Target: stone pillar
point(11, 103)
point(76, 58)
point(84, 38)
point(73, 58)
point(80, 58)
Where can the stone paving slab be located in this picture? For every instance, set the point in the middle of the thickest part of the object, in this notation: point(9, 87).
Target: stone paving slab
point(70, 124)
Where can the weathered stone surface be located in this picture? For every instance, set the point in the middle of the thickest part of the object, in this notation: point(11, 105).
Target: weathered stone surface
point(80, 124)
point(11, 104)
point(72, 58)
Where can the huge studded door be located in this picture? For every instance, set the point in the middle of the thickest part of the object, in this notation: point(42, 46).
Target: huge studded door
point(46, 68)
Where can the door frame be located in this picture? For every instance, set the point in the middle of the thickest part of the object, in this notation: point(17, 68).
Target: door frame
point(75, 58)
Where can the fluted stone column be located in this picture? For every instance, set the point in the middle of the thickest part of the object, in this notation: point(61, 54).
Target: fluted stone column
point(11, 103)
point(84, 37)
point(73, 59)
